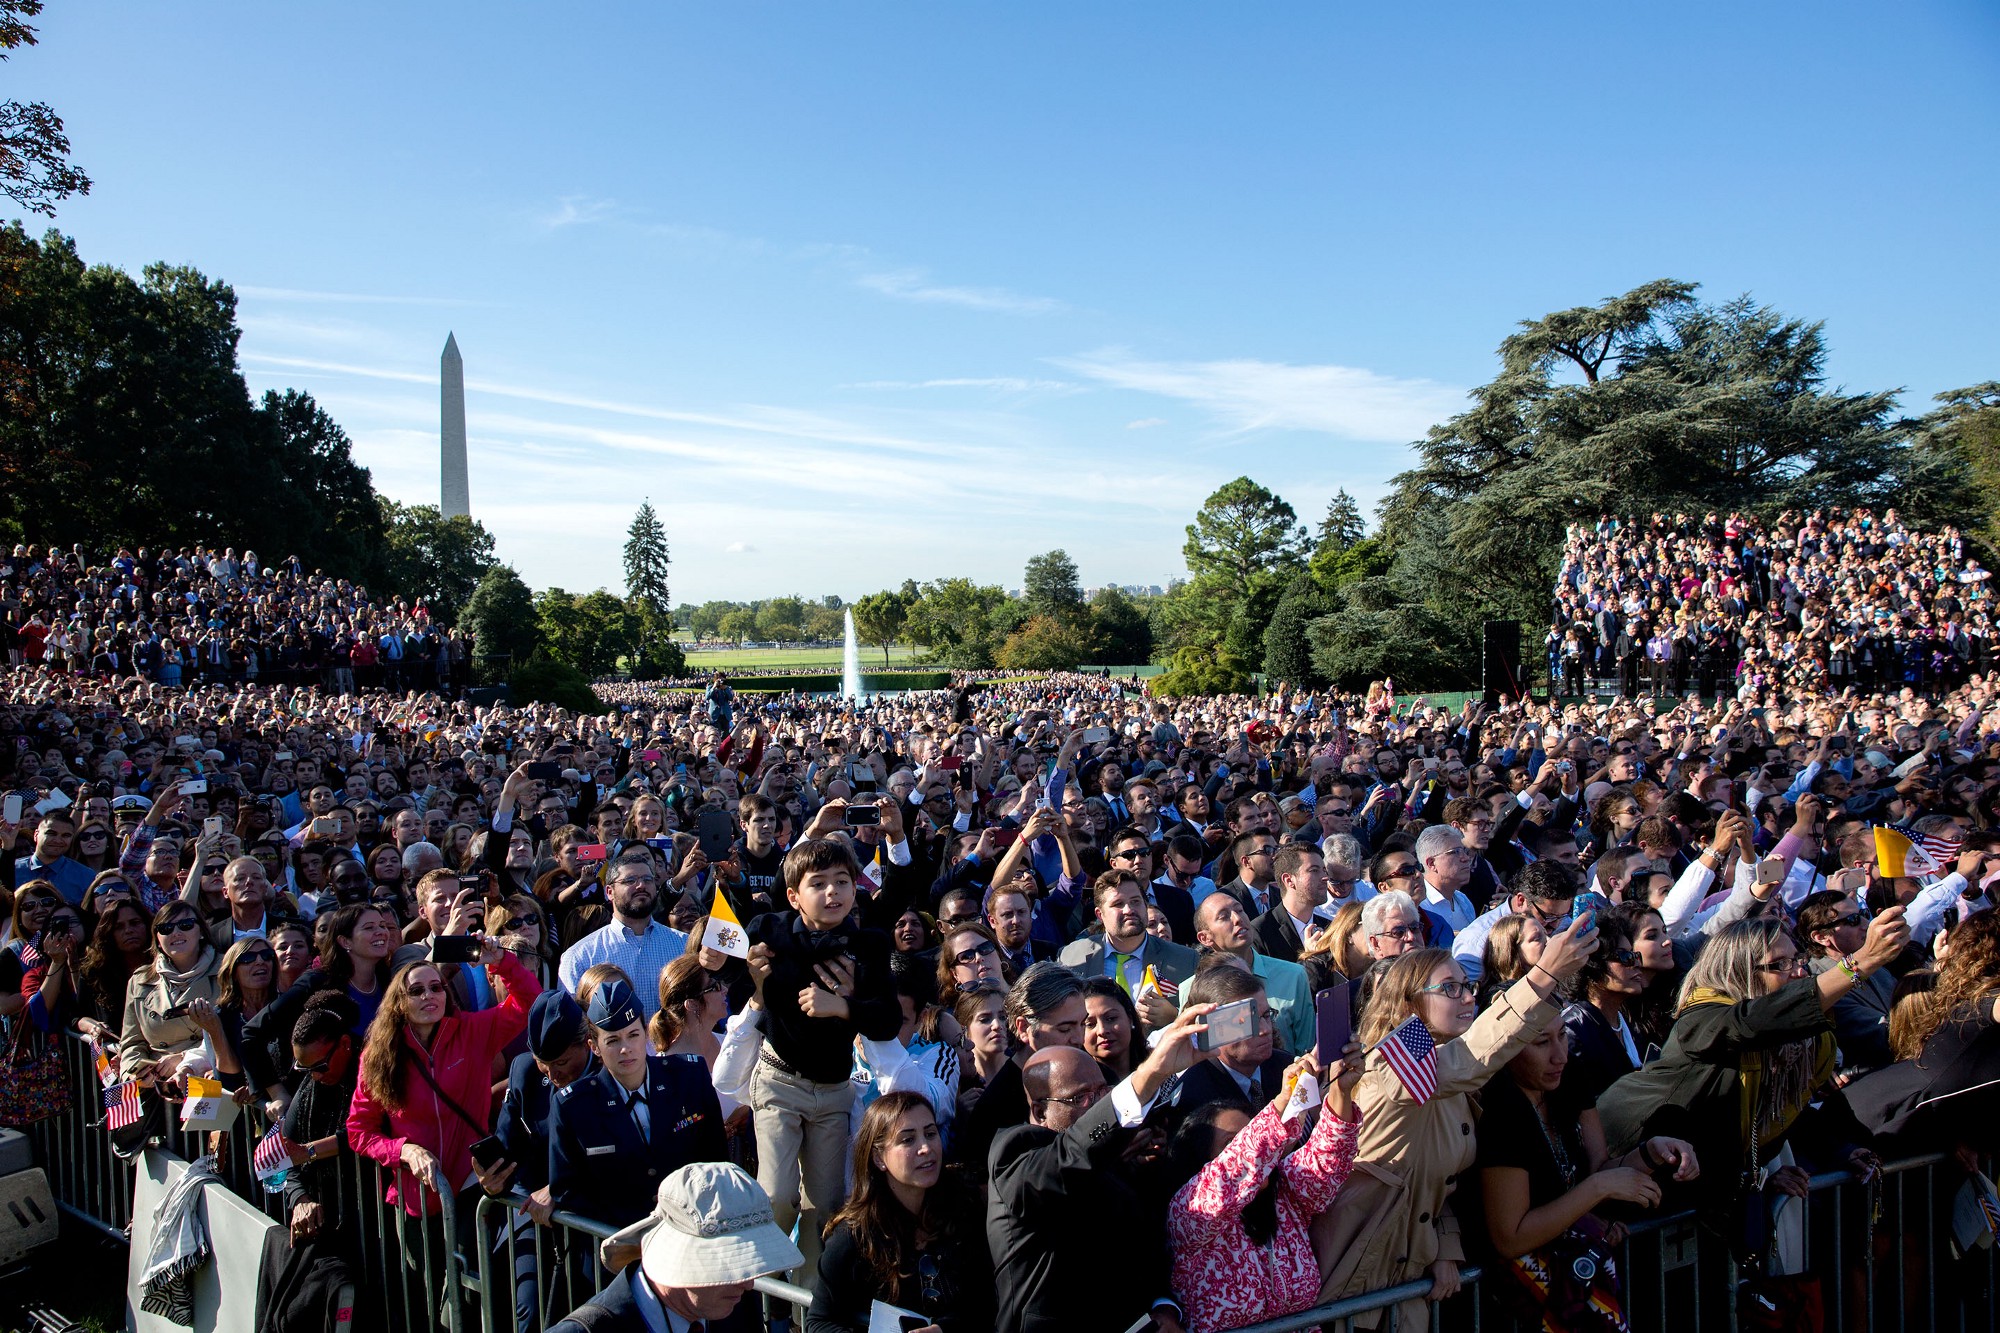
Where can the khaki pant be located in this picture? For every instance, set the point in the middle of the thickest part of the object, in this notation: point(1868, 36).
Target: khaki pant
point(802, 1133)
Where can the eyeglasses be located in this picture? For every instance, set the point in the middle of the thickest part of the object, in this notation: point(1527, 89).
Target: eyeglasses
point(1629, 957)
point(437, 989)
point(1128, 854)
point(1851, 919)
point(316, 1067)
point(1077, 1099)
point(984, 949)
point(1782, 966)
point(264, 957)
point(1400, 872)
point(1336, 809)
point(177, 925)
point(1451, 990)
point(525, 919)
point(1403, 932)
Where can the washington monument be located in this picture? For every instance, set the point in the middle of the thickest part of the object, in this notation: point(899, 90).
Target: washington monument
point(457, 494)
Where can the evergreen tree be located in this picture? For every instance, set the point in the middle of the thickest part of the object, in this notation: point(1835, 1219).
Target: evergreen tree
point(646, 560)
point(1342, 526)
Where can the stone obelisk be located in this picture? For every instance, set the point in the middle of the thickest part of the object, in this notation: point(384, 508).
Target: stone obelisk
point(456, 497)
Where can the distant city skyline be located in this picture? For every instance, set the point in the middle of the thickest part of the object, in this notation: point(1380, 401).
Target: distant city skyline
point(865, 293)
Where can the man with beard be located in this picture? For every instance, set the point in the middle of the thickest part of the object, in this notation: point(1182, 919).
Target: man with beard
point(634, 940)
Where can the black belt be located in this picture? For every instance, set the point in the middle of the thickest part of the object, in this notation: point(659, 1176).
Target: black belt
point(768, 1057)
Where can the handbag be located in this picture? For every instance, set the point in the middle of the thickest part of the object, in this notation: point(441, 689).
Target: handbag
point(1569, 1285)
point(34, 1079)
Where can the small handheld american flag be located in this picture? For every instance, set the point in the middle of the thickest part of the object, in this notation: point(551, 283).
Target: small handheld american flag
point(270, 1156)
point(121, 1105)
point(31, 957)
point(1412, 1055)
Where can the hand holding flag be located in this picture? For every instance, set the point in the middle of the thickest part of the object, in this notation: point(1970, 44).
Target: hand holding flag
point(724, 933)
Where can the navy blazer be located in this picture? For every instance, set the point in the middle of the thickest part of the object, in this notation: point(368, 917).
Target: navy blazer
point(523, 1126)
point(597, 1164)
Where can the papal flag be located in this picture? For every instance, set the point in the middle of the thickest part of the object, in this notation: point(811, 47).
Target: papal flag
point(724, 933)
point(1897, 857)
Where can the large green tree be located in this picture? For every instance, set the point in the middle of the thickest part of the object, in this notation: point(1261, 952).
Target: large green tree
point(433, 557)
point(1648, 401)
point(502, 619)
point(590, 632)
point(962, 623)
point(1242, 548)
point(879, 619)
point(1119, 629)
point(1050, 587)
point(646, 560)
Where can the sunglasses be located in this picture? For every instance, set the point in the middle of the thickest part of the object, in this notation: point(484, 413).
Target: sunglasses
point(1396, 933)
point(529, 919)
point(984, 949)
point(1629, 957)
point(1851, 919)
point(177, 925)
point(265, 957)
point(438, 988)
point(316, 1067)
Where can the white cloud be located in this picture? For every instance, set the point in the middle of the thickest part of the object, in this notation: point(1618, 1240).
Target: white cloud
point(913, 285)
point(576, 209)
point(1145, 423)
point(1344, 401)
point(1003, 383)
point(740, 548)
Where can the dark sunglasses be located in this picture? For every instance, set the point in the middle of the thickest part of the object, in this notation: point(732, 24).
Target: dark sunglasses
point(316, 1067)
point(529, 919)
point(984, 949)
point(264, 957)
point(1851, 919)
point(1629, 957)
point(177, 925)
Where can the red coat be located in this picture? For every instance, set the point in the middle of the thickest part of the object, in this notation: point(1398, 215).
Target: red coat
point(461, 1059)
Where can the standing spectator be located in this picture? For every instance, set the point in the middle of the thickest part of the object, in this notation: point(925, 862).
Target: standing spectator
point(1394, 1223)
point(1242, 1252)
point(910, 1233)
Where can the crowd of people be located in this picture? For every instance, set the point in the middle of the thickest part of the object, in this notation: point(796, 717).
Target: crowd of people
point(1727, 605)
point(929, 978)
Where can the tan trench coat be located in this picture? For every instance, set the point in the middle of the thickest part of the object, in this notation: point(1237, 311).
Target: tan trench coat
point(1393, 1218)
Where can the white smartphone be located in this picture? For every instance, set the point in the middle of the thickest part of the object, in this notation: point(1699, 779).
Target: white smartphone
point(12, 808)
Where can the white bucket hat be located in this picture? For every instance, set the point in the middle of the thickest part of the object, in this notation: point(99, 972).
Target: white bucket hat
point(711, 1226)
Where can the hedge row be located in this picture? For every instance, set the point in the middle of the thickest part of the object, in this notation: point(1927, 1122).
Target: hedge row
point(871, 681)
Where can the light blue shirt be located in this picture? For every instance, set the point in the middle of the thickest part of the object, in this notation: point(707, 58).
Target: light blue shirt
point(643, 956)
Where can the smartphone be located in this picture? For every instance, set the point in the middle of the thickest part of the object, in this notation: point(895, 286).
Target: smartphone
point(545, 772)
point(1333, 1019)
point(457, 949)
point(1770, 870)
point(1229, 1023)
point(861, 772)
point(212, 826)
point(951, 763)
point(12, 810)
point(326, 826)
point(1096, 735)
point(862, 816)
point(472, 884)
point(1852, 880)
point(649, 756)
point(716, 832)
point(194, 787)
point(588, 851)
point(283, 754)
point(1430, 765)
point(489, 1152)
point(175, 1011)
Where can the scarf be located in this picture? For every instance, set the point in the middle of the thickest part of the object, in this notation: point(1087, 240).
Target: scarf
point(180, 1247)
point(1776, 1085)
point(203, 964)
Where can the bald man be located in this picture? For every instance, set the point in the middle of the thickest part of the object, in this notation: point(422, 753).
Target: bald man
point(1068, 1167)
point(247, 889)
point(1219, 923)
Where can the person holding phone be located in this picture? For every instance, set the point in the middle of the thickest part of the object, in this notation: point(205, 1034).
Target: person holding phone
point(1250, 1070)
point(1393, 1223)
point(1239, 1223)
point(910, 1234)
point(160, 1038)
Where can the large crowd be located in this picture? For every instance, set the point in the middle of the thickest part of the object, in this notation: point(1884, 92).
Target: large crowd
point(1727, 605)
point(1028, 1004)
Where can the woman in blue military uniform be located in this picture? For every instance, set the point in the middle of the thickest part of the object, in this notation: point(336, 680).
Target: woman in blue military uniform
point(615, 1135)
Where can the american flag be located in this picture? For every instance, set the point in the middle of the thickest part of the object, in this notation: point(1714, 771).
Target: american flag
point(121, 1105)
point(31, 957)
point(1413, 1056)
point(270, 1156)
point(1943, 850)
point(1990, 1206)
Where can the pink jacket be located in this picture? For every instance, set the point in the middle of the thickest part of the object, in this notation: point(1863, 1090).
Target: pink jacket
point(461, 1059)
point(1221, 1279)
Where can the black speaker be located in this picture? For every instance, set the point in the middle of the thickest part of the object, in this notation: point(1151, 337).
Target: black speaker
point(1500, 659)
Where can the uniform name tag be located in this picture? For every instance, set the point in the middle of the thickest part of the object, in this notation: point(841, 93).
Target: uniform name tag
point(599, 1152)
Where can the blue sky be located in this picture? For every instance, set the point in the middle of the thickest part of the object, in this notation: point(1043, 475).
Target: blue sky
point(861, 292)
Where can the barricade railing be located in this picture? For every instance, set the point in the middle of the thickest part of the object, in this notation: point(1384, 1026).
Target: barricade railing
point(1881, 1250)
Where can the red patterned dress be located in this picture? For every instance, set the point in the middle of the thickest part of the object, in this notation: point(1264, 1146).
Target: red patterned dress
point(1221, 1279)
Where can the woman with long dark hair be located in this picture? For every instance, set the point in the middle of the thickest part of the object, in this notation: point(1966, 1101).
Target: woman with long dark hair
point(426, 1095)
point(354, 958)
point(117, 949)
point(247, 981)
point(910, 1234)
point(1110, 1023)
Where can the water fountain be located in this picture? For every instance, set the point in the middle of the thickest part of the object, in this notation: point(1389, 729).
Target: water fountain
point(850, 664)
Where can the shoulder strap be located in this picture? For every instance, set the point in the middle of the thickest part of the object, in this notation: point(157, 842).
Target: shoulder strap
point(423, 1067)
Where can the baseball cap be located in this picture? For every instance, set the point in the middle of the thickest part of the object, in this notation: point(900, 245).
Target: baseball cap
point(710, 1226)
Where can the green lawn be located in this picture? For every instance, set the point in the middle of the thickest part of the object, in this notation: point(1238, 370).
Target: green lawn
point(725, 659)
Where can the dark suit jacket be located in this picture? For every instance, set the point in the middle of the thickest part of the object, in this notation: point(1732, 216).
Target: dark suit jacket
point(1178, 905)
point(1037, 951)
point(1044, 1185)
point(597, 1164)
point(1240, 891)
point(523, 1126)
point(1208, 1081)
point(1274, 934)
